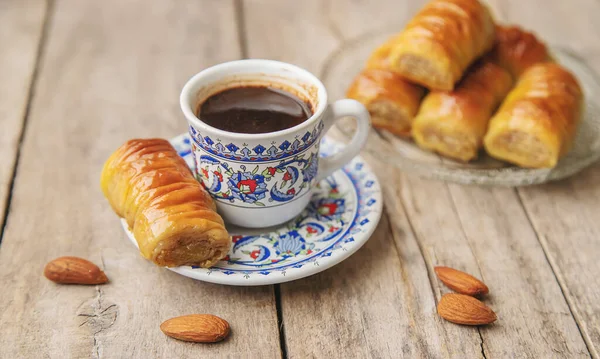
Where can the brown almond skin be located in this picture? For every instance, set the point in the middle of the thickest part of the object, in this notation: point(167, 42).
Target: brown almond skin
point(198, 328)
point(464, 309)
point(461, 282)
point(74, 270)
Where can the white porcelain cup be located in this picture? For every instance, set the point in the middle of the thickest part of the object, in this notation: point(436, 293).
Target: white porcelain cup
point(260, 180)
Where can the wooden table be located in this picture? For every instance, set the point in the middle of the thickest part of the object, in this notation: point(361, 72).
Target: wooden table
point(80, 77)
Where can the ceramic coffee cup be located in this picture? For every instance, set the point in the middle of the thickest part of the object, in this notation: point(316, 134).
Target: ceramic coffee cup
point(260, 180)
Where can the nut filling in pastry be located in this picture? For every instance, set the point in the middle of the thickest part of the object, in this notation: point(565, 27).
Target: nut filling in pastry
point(389, 116)
point(454, 145)
point(524, 148)
point(421, 68)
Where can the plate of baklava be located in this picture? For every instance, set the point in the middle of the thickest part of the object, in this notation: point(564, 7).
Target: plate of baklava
point(457, 96)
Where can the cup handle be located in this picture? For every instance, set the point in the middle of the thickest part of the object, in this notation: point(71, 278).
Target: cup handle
point(339, 109)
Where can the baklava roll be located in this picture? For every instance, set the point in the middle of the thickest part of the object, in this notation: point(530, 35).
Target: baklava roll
point(516, 49)
point(380, 58)
point(537, 122)
point(392, 101)
point(453, 123)
point(441, 41)
point(172, 217)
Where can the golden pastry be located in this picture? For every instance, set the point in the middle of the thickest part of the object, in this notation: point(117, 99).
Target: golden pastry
point(457, 130)
point(172, 217)
point(391, 101)
point(441, 41)
point(380, 58)
point(453, 123)
point(516, 49)
point(537, 122)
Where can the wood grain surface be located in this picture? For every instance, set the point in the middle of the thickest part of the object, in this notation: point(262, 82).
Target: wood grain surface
point(501, 239)
point(565, 214)
point(385, 287)
point(112, 71)
point(109, 71)
point(21, 28)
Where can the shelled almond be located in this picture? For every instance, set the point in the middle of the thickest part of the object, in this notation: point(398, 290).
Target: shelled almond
point(464, 309)
point(461, 282)
point(74, 270)
point(199, 328)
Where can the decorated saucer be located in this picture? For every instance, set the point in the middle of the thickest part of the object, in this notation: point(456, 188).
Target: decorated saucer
point(341, 216)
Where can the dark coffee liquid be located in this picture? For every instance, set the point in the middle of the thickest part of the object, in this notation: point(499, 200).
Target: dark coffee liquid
point(253, 110)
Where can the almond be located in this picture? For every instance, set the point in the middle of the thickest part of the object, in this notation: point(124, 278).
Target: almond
point(461, 282)
point(74, 270)
point(463, 309)
point(199, 328)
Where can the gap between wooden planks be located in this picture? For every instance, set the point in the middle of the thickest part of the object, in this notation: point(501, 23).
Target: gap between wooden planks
point(21, 33)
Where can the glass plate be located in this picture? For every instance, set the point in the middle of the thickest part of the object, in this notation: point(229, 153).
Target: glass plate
point(348, 60)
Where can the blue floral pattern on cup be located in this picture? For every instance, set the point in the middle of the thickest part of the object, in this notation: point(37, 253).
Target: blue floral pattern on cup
point(257, 153)
point(256, 183)
point(247, 186)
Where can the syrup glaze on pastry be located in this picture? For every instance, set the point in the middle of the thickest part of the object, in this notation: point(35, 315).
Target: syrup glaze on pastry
point(172, 217)
point(516, 49)
point(441, 41)
point(453, 123)
point(392, 101)
point(380, 58)
point(537, 122)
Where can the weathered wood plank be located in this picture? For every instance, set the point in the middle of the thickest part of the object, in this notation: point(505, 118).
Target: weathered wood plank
point(112, 71)
point(559, 23)
point(294, 32)
point(351, 19)
point(496, 228)
point(380, 302)
point(486, 232)
point(534, 317)
point(565, 216)
point(21, 25)
point(103, 71)
point(564, 213)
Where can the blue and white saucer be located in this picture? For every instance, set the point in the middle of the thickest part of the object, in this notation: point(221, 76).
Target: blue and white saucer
point(343, 213)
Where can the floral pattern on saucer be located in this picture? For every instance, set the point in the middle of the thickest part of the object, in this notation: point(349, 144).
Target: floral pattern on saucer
point(320, 223)
point(344, 210)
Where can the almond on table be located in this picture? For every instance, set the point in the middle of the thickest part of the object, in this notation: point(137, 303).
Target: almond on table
point(461, 282)
point(198, 328)
point(74, 270)
point(463, 309)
